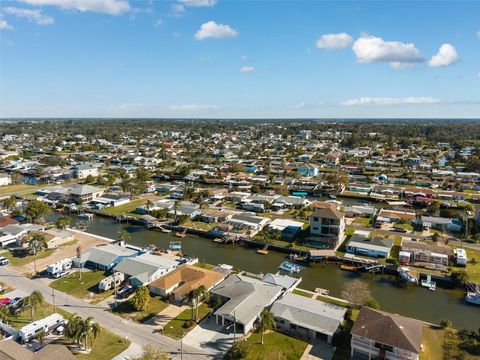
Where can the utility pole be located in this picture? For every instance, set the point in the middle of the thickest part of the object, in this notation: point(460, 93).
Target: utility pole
point(234, 326)
point(181, 349)
point(115, 286)
point(53, 296)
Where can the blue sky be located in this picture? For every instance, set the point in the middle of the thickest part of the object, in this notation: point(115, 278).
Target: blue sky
point(269, 59)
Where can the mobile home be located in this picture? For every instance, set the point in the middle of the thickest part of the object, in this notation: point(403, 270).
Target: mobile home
point(61, 265)
point(48, 324)
point(111, 282)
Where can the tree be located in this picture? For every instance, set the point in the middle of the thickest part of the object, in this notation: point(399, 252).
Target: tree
point(445, 324)
point(62, 222)
point(37, 210)
point(356, 292)
point(90, 330)
point(151, 352)
point(148, 205)
point(36, 244)
point(141, 299)
point(124, 235)
point(266, 322)
point(4, 314)
point(10, 203)
point(41, 337)
point(72, 328)
point(435, 237)
point(194, 298)
point(238, 351)
point(459, 277)
point(33, 301)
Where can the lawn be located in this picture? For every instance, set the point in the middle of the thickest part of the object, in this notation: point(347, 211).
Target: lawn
point(302, 293)
point(276, 346)
point(205, 265)
point(106, 346)
point(19, 187)
point(125, 209)
point(473, 270)
point(177, 328)
point(125, 309)
point(24, 317)
point(199, 225)
point(404, 226)
point(86, 288)
point(21, 261)
point(363, 221)
point(433, 340)
point(332, 301)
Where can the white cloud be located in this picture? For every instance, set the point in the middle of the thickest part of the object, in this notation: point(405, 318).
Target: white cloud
point(178, 9)
point(391, 101)
point(112, 7)
point(334, 41)
point(215, 31)
point(198, 3)
point(447, 55)
point(192, 107)
point(158, 23)
point(401, 65)
point(4, 25)
point(478, 34)
point(247, 69)
point(371, 49)
point(244, 57)
point(32, 15)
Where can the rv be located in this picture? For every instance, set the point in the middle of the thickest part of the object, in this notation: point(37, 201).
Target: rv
point(61, 265)
point(47, 325)
point(111, 282)
point(461, 257)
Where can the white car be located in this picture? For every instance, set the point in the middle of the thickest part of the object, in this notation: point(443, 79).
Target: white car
point(61, 274)
point(4, 260)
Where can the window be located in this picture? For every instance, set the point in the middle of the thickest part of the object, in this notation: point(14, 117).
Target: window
point(315, 219)
point(384, 346)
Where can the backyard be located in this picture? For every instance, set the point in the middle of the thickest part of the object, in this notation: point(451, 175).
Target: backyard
point(276, 346)
point(178, 327)
point(125, 309)
point(26, 259)
point(128, 208)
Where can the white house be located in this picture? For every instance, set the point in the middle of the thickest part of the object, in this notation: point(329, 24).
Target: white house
point(81, 171)
point(5, 179)
point(362, 243)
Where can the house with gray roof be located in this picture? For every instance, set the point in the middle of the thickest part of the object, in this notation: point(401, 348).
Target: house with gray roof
point(363, 244)
point(307, 318)
point(243, 300)
point(146, 268)
point(288, 283)
point(85, 193)
point(104, 257)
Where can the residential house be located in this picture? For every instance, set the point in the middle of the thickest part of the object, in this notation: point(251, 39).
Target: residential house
point(85, 193)
point(362, 243)
point(417, 253)
point(247, 221)
point(5, 179)
point(243, 298)
point(380, 335)
point(287, 227)
point(304, 317)
point(104, 257)
point(12, 350)
point(439, 223)
point(288, 283)
point(184, 279)
point(82, 171)
point(308, 170)
point(109, 200)
point(210, 215)
point(327, 226)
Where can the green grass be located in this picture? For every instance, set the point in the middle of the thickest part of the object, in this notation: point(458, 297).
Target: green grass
point(82, 289)
point(205, 265)
point(199, 225)
point(349, 231)
point(21, 261)
point(473, 270)
point(363, 221)
point(24, 317)
point(404, 226)
point(68, 243)
point(332, 301)
point(276, 346)
point(19, 187)
point(302, 293)
point(125, 209)
point(106, 346)
point(175, 327)
point(125, 309)
point(432, 341)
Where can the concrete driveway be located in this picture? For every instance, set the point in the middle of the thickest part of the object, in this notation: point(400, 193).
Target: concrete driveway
point(210, 337)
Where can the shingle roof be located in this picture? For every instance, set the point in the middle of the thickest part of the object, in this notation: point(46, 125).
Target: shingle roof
point(328, 213)
point(391, 329)
point(84, 190)
point(106, 255)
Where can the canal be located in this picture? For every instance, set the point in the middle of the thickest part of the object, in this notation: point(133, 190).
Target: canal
point(416, 302)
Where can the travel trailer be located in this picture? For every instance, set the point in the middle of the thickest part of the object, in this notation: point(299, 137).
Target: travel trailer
point(111, 282)
point(461, 257)
point(61, 265)
point(47, 325)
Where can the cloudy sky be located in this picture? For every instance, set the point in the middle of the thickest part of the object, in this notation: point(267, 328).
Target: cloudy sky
point(214, 58)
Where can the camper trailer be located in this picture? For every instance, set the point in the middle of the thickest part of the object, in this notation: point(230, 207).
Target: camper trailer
point(461, 256)
point(111, 282)
point(61, 265)
point(47, 325)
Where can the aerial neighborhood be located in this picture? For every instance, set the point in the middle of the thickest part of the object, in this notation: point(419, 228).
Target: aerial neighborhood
point(308, 239)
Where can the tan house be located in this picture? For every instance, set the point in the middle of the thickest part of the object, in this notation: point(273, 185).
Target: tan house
point(183, 280)
point(327, 226)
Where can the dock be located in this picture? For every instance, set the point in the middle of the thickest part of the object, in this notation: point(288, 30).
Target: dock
point(263, 251)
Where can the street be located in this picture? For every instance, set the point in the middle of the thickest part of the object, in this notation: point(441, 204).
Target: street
point(136, 333)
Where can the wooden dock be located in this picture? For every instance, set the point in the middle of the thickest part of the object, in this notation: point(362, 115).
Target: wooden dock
point(263, 251)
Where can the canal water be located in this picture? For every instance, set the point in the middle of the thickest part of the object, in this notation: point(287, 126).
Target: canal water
point(412, 301)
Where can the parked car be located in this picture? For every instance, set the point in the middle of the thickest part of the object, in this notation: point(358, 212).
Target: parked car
point(61, 274)
point(14, 302)
point(4, 301)
point(4, 260)
point(399, 229)
point(124, 292)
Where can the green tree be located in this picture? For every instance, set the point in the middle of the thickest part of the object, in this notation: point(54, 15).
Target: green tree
point(194, 297)
point(90, 330)
point(4, 314)
point(124, 235)
point(266, 322)
point(151, 352)
point(62, 222)
point(36, 244)
point(37, 210)
point(9, 203)
point(459, 277)
point(73, 330)
point(444, 324)
point(141, 299)
point(41, 337)
point(238, 351)
point(33, 301)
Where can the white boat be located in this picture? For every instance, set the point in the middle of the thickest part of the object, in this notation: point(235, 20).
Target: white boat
point(290, 267)
point(87, 216)
point(473, 298)
point(164, 230)
point(428, 283)
point(404, 273)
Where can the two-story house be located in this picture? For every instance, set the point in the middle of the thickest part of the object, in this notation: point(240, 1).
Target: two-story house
point(327, 226)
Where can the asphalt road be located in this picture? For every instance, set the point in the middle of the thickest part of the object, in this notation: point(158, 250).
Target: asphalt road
point(136, 333)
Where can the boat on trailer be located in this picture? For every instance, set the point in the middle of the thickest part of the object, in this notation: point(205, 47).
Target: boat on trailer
point(404, 273)
point(290, 267)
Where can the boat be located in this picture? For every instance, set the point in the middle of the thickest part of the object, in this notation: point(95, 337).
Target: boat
point(164, 230)
point(181, 234)
point(87, 216)
point(290, 267)
point(348, 267)
point(473, 297)
point(263, 251)
point(175, 246)
point(404, 273)
point(428, 283)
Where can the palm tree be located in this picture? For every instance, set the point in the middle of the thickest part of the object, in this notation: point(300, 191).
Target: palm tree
point(72, 328)
point(266, 322)
point(79, 257)
point(35, 299)
point(148, 205)
point(41, 337)
point(4, 314)
point(141, 299)
point(175, 208)
point(124, 235)
point(194, 298)
point(62, 222)
point(90, 330)
point(36, 244)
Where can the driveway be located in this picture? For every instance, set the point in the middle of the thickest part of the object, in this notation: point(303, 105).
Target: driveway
point(210, 337)
point(318, 350)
